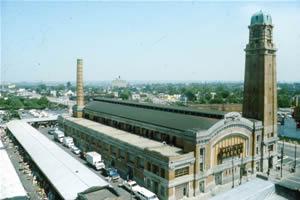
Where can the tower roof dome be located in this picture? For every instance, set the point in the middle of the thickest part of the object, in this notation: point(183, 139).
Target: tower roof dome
point(261, 18)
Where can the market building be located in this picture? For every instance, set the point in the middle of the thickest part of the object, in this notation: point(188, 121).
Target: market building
point(177, 152)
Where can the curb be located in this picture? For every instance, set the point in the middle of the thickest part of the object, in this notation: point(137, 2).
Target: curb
point(289, 144)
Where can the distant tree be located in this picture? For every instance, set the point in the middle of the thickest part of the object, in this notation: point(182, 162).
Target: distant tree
point(233, 99)
point(125, 95)
point(284, 101)
point(43, 102)
point(61, 87)
point(189, 94)
point(216, 100)
point(69, 85)
point(13, 114)
point(14, 103)
point(31, 104)
point(40, 88)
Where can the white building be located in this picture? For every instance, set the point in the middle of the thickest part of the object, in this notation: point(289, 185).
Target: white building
point(119, 83)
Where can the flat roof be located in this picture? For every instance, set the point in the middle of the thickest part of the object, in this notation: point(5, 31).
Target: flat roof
point(126, 137)
point(66, 174)
point(171, 120)
point(168, 108)
point(10, 184)
point(106, 193)
point(41, 119)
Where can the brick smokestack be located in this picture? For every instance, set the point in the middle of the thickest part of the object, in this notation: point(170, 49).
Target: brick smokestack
point(80, 95)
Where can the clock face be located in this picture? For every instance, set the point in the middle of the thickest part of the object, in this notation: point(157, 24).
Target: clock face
point(256, 33)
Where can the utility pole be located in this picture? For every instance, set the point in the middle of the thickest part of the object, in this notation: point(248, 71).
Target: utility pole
point(295, 157)
point(130, 191)
point(232, 174)
point(281, 161)
point(268, 162)
point(241, 171)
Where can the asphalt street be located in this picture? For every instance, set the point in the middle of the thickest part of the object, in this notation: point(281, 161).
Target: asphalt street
point(289, 153)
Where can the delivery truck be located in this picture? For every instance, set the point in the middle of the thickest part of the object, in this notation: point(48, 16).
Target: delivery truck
point(58, 135)
point(95, 160)
point(68, 142)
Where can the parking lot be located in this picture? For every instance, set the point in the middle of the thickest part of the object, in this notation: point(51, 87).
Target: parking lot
point(117, 185)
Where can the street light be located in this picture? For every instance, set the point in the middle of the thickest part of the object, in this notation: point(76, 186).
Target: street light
point(268, 162)
point(232, 174)
point(241, 170)
point(130, 191)
point(295, 157)
point(281, 161)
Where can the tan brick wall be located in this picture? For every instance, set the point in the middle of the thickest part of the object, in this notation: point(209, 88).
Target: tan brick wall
point(171, 175)
point(209, 179)
point(170, 191)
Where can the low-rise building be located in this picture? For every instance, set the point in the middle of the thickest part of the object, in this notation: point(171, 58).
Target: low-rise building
point(172, 151)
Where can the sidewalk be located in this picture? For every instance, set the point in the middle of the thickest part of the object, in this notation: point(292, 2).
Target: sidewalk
point(289, 144)
point(222, 188)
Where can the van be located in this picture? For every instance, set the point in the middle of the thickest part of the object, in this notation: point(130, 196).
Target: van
point(144, 194)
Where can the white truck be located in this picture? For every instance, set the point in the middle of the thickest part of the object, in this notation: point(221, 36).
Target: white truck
point(144, 194)
point(68, 142)
point(94, 159)
point(58, 135)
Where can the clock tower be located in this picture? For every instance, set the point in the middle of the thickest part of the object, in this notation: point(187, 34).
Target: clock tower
point(260, 87)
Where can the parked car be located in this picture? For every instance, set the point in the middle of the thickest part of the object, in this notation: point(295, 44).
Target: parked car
point(112, 173)
point(51, 131)
point(131, 185)
point(75, 150)
point(144, 194)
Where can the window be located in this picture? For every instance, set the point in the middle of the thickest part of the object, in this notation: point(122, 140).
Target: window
point(130, 158)
point(140, 163)
point(201, 167)
point(113, 151)
point(270, 147)
point(201, 151)
point(256, 150)
point(122, 154)
point(257, 138)
point(148, 183)
point(106, 147)
point(162, 172)
point(149, 166)
point(272, 134)
point(162, 191)
point(155, 169)
point(182, 171)
point(201, 186)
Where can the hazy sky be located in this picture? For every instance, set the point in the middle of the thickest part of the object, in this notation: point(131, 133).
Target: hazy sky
point(40, 41)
